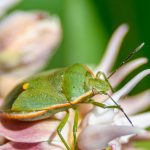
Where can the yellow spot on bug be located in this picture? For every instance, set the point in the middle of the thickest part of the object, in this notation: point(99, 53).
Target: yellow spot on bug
point(25, 86)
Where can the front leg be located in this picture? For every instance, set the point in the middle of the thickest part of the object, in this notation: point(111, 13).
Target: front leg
point(111, 106)
point(102, 105)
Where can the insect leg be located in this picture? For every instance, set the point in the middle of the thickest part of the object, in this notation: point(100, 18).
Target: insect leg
point(60, 127)
point(102, 105)
point(75, 127)
point(97, 103)
point(111, 106)
point(119, 107)
point(106, 79)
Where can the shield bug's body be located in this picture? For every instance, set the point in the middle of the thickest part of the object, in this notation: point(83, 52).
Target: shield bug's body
point(43, 95)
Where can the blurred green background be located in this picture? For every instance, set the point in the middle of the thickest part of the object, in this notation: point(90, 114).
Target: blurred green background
point(87, 26)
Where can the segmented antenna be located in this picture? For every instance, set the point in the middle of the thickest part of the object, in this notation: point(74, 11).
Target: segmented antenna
point(128, 58)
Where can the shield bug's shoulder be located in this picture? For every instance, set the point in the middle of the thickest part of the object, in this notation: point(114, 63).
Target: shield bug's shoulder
point(75, 78)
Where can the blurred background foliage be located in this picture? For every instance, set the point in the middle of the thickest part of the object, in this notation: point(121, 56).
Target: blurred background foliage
point(87, 26)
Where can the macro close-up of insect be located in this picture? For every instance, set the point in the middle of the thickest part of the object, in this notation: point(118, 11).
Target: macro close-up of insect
point(74, 75)
point(45, 94)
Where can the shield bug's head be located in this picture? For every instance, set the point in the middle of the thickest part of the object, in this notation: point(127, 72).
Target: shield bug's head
point(97, 84)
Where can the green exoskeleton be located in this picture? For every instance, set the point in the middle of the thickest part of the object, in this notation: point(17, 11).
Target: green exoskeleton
point(43, 95)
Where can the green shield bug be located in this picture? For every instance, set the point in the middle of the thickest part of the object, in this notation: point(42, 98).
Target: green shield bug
point(45, 94)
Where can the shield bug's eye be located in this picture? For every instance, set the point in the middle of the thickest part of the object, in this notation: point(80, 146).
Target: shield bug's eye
point(25, 86)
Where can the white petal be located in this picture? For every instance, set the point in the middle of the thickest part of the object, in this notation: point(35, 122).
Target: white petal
point(129, 86)
point(140, 102)
point(141, 121)
point(115, 144)
point(96, 137)
point(112, 49)
point(106, 117)
point(6, 4)
point(24, 37)
point(125, 70)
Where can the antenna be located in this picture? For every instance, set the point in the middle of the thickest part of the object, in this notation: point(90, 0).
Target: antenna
point(128, 58)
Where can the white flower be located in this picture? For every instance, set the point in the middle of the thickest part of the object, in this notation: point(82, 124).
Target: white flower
point(6, 4)
point(27, 41)
point(101, 126)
